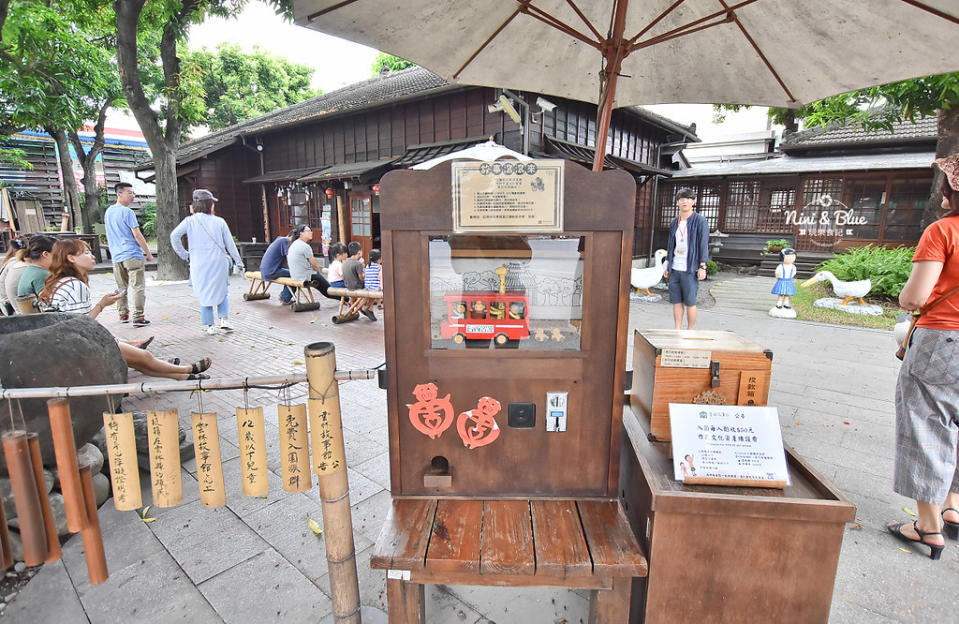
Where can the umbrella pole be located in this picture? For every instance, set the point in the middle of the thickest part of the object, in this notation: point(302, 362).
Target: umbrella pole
point(614, 51)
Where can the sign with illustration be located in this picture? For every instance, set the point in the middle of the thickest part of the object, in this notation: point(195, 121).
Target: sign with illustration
point(430, 415)
point(508, 196)
point(727, 445)
point(477, 427)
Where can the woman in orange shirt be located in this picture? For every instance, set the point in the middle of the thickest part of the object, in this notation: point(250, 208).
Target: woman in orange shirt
point(927, 392)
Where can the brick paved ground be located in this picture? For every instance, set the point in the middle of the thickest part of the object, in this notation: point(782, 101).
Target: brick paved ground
point(255, 560)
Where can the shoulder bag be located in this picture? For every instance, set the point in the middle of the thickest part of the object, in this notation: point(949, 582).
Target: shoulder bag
point(901, 352)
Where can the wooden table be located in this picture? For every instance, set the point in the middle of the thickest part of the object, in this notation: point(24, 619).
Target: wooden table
point(730, 554)
point(580, 544)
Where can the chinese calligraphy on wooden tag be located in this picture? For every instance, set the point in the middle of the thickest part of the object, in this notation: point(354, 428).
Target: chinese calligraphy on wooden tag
point(294, 449)
point(209, 469)
point(122, 452)
point(252, 441)
point(164, 441)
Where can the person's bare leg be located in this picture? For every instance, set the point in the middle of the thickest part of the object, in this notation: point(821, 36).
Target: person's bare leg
point(144, 362)
point(928, 523)
point(678, 315)
point(952, 502)
point(691, 317)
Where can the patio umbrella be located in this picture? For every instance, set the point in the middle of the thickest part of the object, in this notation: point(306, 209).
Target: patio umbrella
point(625, 52)
point(490, 150)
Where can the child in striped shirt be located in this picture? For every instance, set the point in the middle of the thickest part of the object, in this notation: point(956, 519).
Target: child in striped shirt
point(372, 279)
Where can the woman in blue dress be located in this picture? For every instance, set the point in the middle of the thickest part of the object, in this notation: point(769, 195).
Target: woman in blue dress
point(211, 248)
point(785, 273)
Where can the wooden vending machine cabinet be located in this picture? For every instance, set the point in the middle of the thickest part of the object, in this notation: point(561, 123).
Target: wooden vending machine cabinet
point(523, 331)
point(505, 327)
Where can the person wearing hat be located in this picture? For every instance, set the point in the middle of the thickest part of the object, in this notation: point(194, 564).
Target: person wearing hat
point(927, 391)
point(129, 252)
point(211, 251)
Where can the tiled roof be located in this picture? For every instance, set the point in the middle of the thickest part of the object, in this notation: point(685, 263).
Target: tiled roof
point(852, 135)
point(391, 87)
point(385, 88)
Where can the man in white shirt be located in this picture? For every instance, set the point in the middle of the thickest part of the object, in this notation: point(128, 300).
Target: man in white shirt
point(686, 257)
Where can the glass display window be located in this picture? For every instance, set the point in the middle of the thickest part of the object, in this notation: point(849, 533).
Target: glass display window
point(506, 292)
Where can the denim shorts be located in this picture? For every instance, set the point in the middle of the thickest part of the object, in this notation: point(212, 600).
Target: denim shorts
point(683, 287)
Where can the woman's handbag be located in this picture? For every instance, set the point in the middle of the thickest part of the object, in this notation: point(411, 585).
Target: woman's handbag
point(901, 352)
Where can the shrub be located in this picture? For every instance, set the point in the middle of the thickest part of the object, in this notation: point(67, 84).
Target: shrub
point(711, 267)
point(887, 268)
point(148, 225)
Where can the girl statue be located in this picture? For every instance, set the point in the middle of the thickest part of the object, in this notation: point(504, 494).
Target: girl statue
point(785, 273)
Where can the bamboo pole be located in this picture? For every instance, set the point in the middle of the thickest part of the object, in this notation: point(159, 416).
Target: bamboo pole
point(53, 540)
point(91, 536)
point(6, 554)
point(65, 448)
point(24, 487)
point(333, 482)
point(226, 383)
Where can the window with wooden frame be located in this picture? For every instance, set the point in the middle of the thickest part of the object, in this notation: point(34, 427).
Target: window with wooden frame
point(742, 208)
point(908, 199)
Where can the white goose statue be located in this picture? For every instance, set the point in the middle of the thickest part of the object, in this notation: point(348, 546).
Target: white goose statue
point(848, 290)
point(643, 279)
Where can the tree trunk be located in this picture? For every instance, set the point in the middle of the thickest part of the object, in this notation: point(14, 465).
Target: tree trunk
point(947, 143)
point(71, 196)
point(163, 146)
point(88, 159)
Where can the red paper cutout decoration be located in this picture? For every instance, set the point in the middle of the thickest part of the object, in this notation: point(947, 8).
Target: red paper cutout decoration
point(430, 416)
point(477, 427)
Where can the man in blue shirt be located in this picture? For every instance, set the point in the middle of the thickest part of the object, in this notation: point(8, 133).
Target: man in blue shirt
point(686, 257)
point(271, 265)
point(128, 249)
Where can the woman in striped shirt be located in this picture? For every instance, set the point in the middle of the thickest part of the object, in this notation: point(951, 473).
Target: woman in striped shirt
point(67, 289)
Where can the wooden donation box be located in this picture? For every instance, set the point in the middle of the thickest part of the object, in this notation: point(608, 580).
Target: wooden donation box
point(730, 554)
point(693, 366)
point(505, 332)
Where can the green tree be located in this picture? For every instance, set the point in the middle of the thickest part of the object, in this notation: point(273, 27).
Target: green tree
point(163, 115)
point(389, 62)
point(238, 86)
point(54, 73)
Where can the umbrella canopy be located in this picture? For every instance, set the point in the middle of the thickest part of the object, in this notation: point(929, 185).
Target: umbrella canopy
point(488, 151)
point(766, 52)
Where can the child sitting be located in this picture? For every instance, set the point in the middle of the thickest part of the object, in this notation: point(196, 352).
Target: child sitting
point(335, 273)
point(373, 276)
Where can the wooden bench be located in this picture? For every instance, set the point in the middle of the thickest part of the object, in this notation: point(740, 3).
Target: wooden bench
point(302, 302)
point(353, 301)
point(579, 544)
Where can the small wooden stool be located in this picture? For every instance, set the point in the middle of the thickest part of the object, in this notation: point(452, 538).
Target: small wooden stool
point(580, 544)
point(352, 301)
point(258, 290)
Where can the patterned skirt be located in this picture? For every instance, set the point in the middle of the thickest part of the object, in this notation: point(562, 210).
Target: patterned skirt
point(784, 287)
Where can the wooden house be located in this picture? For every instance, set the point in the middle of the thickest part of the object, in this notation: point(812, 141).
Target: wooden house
point(320, 161)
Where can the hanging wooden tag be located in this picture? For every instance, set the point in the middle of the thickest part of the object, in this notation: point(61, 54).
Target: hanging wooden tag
point(122, 455)
point(294, 449)
point(326, 436)
point(252, 440)
point(163, 437)
point(209, 468)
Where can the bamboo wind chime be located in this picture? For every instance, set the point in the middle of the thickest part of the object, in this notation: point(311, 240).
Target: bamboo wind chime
point(317, 424)
point(38, 533)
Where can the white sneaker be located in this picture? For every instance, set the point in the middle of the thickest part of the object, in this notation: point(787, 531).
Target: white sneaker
point(210, 330)
point(225, 325)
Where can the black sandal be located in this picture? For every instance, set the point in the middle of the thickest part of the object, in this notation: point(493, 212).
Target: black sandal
point(201, 366)
point(174, 361)
point(195, 376)
point(935, 550)
point(951, 529)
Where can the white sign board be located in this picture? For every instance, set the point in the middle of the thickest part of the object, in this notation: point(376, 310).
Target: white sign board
point(685, 358)
point(508, 196)
point(727, 443)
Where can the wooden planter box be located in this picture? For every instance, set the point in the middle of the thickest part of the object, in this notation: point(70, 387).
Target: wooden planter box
point(728, 554)
point(684, 366)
